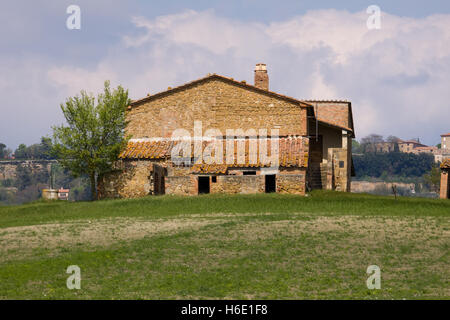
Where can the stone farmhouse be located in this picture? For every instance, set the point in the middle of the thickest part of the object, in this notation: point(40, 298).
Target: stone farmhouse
point(216, 134)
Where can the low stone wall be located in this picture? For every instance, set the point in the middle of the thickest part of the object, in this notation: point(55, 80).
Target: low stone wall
point(367, 186)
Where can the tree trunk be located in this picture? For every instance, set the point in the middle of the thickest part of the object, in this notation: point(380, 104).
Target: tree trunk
point(93, 188)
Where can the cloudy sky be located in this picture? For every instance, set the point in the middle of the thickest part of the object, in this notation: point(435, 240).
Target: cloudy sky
point(397, 77)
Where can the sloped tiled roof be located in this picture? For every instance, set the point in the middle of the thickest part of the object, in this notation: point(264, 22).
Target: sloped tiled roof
point(411, 141)
point(209, 168)
point(292, 151)
point(329, 114)
point(147, 150)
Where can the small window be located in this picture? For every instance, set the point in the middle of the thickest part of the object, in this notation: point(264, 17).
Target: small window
point(341, 164)
point(249, 173)
point(214, 179)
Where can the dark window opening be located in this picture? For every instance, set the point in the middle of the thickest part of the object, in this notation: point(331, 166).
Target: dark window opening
point(270, 183)
point(214, 179)
point(249, 173)
point(203, 185)
point(341, 164)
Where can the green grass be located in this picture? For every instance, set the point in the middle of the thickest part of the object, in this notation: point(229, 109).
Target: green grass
point(319, 202)
point(228, 247)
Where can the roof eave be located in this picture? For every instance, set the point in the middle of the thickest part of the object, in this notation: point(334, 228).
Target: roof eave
point(337, 127)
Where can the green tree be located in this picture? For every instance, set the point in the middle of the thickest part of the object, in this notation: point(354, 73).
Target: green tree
point(21, 152)
point(46, 148)
point(2, 150)
point(42, 150)
point(392, 164)
point(433, 179)
point(356, 146)
point(94, 135)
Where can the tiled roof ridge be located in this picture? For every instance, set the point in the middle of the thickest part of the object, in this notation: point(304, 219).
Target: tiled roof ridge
point(326, 100)
point(217, 76)
point(411, 141)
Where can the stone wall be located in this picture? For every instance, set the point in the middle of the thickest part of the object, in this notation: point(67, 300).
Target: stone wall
point(341, 170)
point(130, 179)
point(238, 184)
point(133, 179)
point(293, 182)
point(219, 105)
point(181, 185)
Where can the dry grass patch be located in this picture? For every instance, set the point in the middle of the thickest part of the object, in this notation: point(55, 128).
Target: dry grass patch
point(20, 241)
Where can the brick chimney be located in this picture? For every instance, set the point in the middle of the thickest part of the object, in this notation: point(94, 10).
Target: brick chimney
point(261, 76)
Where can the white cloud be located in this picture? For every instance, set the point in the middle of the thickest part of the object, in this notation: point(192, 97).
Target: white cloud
point(73, 79)
point(397, 78)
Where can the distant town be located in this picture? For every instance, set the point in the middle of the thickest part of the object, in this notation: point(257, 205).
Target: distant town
point(376, 143)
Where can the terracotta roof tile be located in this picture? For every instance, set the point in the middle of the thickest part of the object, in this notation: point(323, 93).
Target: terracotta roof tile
point(293, 152)
point(209, 168)
point(147, 150)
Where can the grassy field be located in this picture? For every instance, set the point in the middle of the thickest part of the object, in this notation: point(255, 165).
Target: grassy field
point(228, 247)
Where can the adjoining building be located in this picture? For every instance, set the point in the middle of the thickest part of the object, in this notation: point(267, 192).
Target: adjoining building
point(409, 146)
point(215, 135)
